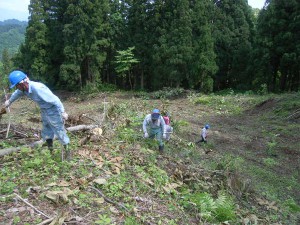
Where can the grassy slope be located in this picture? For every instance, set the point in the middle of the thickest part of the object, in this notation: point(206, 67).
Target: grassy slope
point(253, 168)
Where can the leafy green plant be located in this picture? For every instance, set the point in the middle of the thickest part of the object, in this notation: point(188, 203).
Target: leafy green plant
point(142, 94)
point(210, 209)
point(160, 176)
point(128, 135)
point(263, 90)
point(225, 208)
point(225, 92)
point(202, 100)
point(270, 162)
point(103, 220)
point(84, 199)
point(116, 185)
point(229, 162)
point(16, 220)
point(249, 92)
point(34, 163)
point(167, 92)
point(179, 124)
point(90, 88)
point(131, 221)
point(7, 187)
point(124, 63)
point(271, 151)
point(292, 206)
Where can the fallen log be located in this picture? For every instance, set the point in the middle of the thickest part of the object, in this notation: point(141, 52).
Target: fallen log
point(81, 127)
point(7, 151)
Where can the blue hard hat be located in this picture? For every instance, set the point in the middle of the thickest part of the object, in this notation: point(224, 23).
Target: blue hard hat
point(155, 111)
point(207, 126)
point(155, 114)
point(16, 77)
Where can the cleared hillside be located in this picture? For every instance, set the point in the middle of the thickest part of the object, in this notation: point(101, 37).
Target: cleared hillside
point(248, 173)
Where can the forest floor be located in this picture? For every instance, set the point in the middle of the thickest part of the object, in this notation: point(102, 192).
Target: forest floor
point(247, 173)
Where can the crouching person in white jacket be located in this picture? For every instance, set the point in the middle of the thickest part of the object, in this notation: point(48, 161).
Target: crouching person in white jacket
point(154, 127)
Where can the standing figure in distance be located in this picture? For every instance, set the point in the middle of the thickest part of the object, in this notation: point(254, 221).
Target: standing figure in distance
point(154, 127)
point(169, 129)
point(52, 110)
point(204, 134)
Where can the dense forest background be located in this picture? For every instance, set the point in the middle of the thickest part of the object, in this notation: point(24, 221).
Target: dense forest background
point(12, 34)
point(207, 45)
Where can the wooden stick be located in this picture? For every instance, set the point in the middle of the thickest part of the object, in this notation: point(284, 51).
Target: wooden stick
point(84, 115)
point(295, 113)
point(27, 203)
point(8, 109)
point(2, 131)
point(105, 109)
point(18, 132)
point(46, 221)
point(108, 200)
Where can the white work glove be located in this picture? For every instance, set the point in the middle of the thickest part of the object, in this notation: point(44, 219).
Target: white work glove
point(164, 136)
point(146, 135)
point(65, 116)
point(7, 103)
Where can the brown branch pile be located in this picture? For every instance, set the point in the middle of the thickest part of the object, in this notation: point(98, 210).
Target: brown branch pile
point(18, 132)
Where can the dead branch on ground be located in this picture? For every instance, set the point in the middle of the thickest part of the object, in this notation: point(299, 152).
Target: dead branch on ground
point(47, 221)
point(27, 203)
point(8, 110)
point(81, 127)
point(108, 200)
point(7, 151)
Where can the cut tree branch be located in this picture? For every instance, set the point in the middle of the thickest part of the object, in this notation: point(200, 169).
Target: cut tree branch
point(47, 221)
point(108, 200)
point(8, 110)
point(27, 203)
point(7, 151)
point(81, 127)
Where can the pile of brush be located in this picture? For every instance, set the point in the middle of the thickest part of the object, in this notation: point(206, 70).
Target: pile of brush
point(2, 111)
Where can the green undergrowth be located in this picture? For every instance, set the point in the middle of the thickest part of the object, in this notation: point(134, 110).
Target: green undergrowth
point(233, 104)
point(266, 184)
point(137, 178)
point(272, 169)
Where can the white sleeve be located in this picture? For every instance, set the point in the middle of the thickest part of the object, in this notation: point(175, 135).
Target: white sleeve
point(145, 123)
point(17, 94)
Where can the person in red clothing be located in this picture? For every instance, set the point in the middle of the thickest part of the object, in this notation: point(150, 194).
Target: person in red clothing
point(169, 129)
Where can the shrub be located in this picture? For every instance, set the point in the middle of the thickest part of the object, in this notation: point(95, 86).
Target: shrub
point(168, 93)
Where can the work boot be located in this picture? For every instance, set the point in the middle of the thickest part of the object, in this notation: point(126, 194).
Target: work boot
point(50, 145)
point(161, 148)
point(68, 155)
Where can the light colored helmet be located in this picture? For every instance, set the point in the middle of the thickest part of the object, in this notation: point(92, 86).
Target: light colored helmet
point(155, 111)
point(16, 77)
point(155, 114)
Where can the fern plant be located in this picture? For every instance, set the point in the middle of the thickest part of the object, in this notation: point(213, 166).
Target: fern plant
point(225, 208)
point(210, 209)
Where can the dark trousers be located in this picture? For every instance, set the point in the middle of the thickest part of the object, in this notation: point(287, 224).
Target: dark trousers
point(201, 140)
